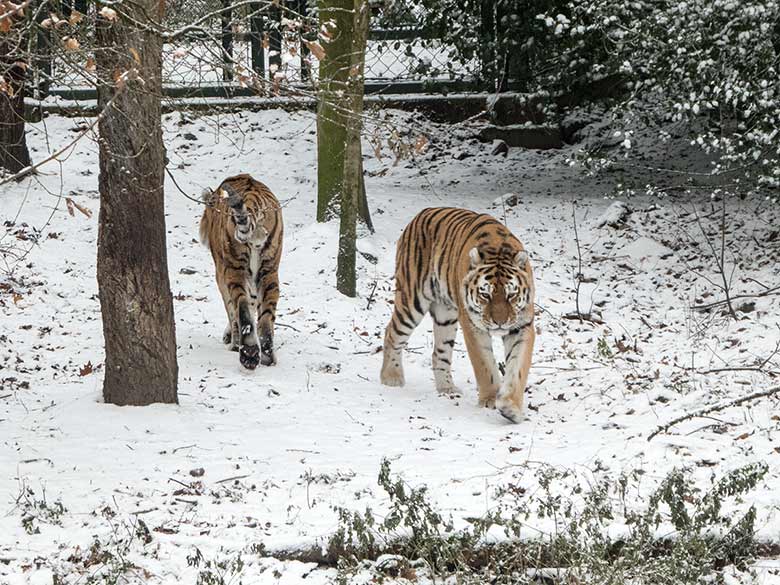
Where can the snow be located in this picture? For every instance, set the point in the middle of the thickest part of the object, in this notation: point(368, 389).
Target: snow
point(281, 446)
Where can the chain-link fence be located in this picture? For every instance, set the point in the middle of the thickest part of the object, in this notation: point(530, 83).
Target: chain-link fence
point(260, 48)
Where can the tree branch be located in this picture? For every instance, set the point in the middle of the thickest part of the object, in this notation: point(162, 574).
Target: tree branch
point(718, 407)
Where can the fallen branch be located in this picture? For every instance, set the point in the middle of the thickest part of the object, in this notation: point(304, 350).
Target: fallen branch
point(722, 406)
point(763, 293)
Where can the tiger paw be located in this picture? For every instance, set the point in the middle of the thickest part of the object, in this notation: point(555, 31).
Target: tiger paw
point(449, 390)
point(509, 410)
point(392, 376)
point(249, 356)
point(267, 358)
point(267, 355)
point(487, 401)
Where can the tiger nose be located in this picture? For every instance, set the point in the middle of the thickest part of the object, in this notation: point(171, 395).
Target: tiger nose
point(499, 315)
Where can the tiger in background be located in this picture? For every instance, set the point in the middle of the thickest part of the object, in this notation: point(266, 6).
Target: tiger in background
point(465, 267)
point(242, 226)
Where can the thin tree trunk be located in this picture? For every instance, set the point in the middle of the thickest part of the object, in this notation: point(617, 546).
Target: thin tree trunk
point(14, 155)
point(132, 266)
point(331, 122)
point(353, 167)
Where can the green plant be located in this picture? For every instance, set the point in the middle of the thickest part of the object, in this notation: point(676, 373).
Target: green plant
point(595, 531)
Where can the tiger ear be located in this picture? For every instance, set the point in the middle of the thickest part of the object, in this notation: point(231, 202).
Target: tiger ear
point(521, 258)
point(475, 256)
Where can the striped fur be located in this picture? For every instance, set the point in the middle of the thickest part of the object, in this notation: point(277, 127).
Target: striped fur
point(464, 268)
point(242, 226)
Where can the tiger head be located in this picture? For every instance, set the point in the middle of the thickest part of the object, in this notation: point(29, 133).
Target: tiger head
point(497, 289)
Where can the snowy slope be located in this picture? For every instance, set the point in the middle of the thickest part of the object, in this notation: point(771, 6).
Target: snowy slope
point(280, 446)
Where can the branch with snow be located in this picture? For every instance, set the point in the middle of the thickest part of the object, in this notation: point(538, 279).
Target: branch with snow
point(717, 408)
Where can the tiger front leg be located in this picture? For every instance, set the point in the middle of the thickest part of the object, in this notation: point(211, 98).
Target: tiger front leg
point(267, 317)
point(518, 348)
point(480, 349)
point(249, 349)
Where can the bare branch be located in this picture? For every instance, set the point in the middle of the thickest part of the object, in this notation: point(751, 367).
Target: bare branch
point(718, 407)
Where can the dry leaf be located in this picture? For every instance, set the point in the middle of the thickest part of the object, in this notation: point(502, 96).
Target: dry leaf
point(86, 370)
point(316, 49)
point(421, 144)
point(17, 297)
point(70, 44)
point(71, 204)
point(108, 13)
point(90, 66)
point(742, 437)
point(5, 24)
point(135, 55)
point(75, 17)
point(6, 88)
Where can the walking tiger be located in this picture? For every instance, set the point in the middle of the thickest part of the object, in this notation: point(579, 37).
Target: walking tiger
point(465, 268)
point(242, 226)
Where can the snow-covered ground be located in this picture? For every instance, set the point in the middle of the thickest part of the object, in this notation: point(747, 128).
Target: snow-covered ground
point(280, 446)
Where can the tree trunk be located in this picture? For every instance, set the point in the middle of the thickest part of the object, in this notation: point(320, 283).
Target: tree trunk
point(331, 118)
point(132, 264)
point(331, 122)
point(353, 167)
point(14, 155)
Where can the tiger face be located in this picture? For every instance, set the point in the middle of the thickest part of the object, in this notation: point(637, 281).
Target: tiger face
point(496, 290)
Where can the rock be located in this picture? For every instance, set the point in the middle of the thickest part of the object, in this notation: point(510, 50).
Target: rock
point(187, 270)
point(500, 147)
point(746, 306)
point(189, 136)
point(461, 154)
point(197, 472)
point(524, 136)
point(571, 126)
point(615, 215)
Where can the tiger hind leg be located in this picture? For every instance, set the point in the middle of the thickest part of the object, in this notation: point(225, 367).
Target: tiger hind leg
point(267, 317)
point(445, 328)
point(406, 317)
point(230, 336)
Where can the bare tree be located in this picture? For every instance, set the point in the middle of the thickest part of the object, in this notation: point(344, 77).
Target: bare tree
point(132, 266)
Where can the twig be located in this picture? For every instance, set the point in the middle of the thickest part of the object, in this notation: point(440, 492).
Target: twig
point(235, 477)
point(578, 276)
point(371, 296)
point(144, 511)
point(718, 407)
point(16, 10)
point(764, 293)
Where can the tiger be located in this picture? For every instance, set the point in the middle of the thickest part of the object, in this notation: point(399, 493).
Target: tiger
point(464, 268)
point(242, 226)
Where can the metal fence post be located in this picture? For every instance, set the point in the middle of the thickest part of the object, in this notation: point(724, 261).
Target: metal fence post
point(256, 40)
point(305, 53)
point(227, 40)
point(274, 38)
point(43, 64)
point(487, 52)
